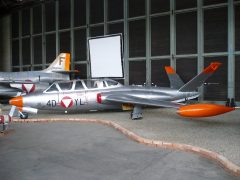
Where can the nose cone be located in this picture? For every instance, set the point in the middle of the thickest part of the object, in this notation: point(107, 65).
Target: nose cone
point(17, 101)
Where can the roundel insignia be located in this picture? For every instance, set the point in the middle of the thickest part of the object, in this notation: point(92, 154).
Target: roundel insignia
point(28, 88)
point(66, 102)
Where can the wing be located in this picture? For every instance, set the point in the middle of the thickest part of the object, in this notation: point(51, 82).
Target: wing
point(120, 98)
point(12, 85)
point(7, 91)
point(10, 88)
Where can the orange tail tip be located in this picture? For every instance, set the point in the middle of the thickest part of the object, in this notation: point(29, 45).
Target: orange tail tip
point(212, 67)
point(17, 101)
point(170, 70)
point(203, 110)
point(67, 63)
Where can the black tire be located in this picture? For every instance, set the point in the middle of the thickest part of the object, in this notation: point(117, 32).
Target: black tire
point(24, 115)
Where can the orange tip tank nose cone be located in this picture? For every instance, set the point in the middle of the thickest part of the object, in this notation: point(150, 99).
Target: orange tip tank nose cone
point(17, 101)
point(203, 110)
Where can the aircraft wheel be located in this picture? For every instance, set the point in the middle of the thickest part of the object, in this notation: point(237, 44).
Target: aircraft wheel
point(24, 115)
point(136, 116)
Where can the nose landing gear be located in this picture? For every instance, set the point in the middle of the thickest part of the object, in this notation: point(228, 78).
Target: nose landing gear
point(23, 115)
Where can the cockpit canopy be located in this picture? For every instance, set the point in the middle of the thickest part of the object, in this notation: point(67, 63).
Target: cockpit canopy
point(77, 85)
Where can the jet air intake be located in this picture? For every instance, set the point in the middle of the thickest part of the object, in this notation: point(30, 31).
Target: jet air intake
point(203, 110)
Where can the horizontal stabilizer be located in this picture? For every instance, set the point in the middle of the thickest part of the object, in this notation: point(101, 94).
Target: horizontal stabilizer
point(175, 81)
point(198, 80)
point(68, 72)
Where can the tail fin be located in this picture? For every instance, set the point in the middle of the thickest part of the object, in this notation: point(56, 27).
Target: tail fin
point(198, 80)
point(60, 64)
point(175, 81)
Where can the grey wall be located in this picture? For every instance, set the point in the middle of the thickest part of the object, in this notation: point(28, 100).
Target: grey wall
point(187, 35)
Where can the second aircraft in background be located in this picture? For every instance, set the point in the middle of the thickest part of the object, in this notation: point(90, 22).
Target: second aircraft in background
point(29, 81)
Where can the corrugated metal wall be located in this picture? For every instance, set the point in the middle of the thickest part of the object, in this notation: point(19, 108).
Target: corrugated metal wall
point(187, 34)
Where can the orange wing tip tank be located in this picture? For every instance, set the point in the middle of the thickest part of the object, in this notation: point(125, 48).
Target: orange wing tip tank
point(203, 110)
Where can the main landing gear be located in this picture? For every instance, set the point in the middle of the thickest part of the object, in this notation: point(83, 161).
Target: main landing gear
point(137, 113)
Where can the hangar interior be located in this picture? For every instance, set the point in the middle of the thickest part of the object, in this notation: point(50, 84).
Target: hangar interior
point(186, 34)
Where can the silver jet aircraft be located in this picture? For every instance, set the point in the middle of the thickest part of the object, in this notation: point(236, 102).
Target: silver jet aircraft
point(26, 82)
point(103, 94)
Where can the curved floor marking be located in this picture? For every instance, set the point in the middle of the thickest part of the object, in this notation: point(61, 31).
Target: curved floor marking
point(223, 161)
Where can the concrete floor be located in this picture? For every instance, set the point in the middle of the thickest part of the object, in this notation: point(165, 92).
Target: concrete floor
point(91, 151)
point(220, 133)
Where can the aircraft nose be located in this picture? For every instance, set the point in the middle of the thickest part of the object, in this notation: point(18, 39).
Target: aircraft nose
point(17, 101)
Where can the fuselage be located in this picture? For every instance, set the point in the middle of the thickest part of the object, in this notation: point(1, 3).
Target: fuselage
point(34, 76)
point(81, 95)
